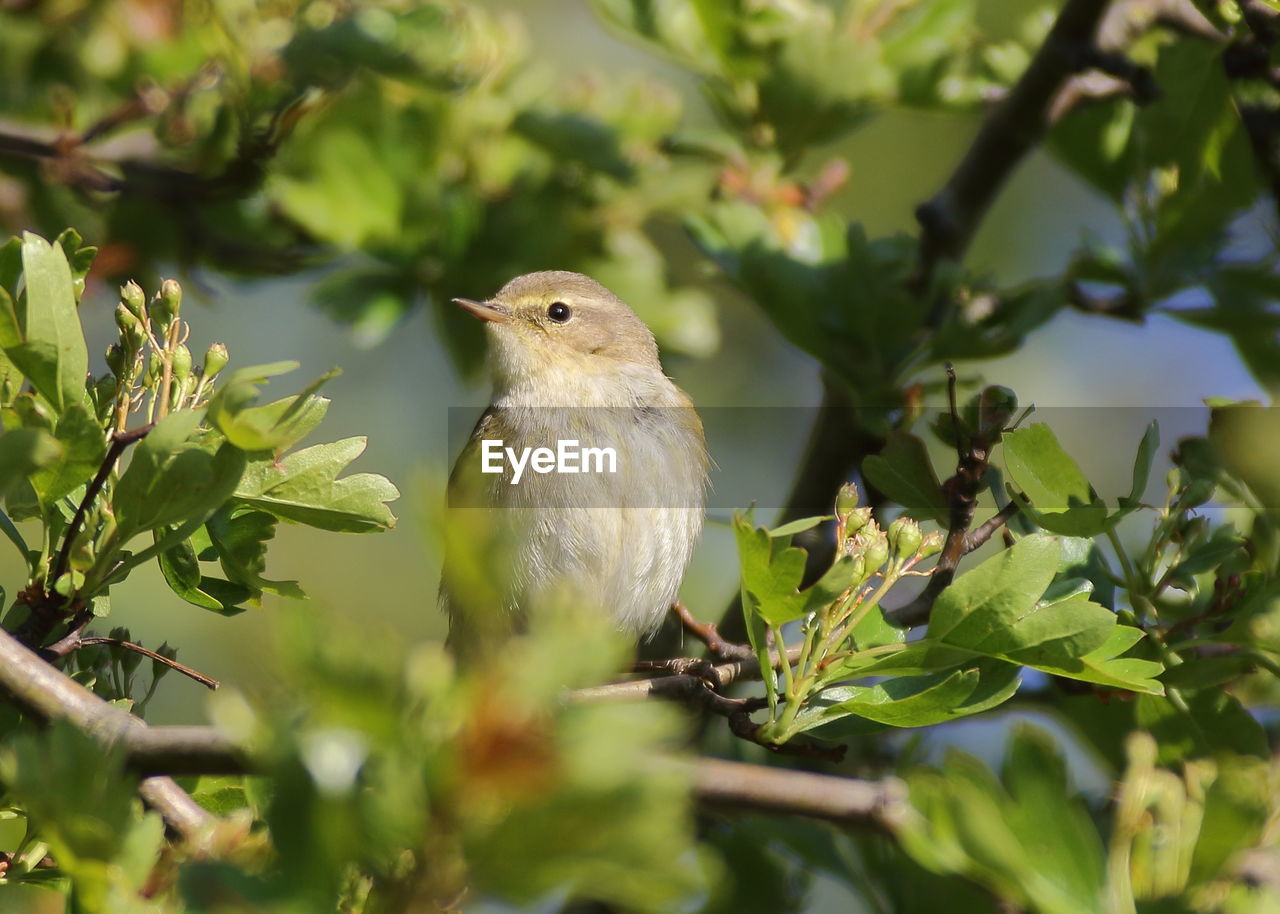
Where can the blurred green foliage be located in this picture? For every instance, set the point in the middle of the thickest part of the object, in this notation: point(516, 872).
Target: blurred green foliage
point(415, 152)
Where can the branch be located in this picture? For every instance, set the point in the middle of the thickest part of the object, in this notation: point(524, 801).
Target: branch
point(40, 689)
point(973, 452)
point(722, 784)
point(186, 750)
point(950, 219)
point(709, 634)
point(717, 783)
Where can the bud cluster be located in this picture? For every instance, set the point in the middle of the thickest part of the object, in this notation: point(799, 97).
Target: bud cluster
point(151, 358)
point(860, 537)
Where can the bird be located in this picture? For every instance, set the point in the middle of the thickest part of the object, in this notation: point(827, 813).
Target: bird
point(570, 363)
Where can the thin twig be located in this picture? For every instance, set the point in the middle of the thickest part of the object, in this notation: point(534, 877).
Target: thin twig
point(172, 664)
point(973, 451)
point(71, 640)
point(119, 441)
point(709, 634)
point(984, 531)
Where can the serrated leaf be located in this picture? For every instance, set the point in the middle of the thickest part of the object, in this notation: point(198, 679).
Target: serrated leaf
point(177, 474)
point(275, 426)
point(1105, 666)
point(240, 537)
point(904, 472)
point(771, 570)
point(304, 487)
point(995, 595)
point(997, 610)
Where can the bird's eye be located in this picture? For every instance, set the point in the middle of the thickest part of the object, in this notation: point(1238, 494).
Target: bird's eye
point(559, 312)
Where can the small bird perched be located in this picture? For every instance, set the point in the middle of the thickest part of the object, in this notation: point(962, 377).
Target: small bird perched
point(573, 367)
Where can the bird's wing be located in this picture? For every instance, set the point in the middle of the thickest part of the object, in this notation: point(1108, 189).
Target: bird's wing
point(476, 589)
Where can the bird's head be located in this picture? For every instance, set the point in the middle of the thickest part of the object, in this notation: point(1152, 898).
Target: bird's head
point(543, 325)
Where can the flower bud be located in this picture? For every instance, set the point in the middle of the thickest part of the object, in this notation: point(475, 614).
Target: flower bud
point(116, 360)
point(132, 332)
point(164, 307)
point(181, 362)
point(215, 360)
point(931, 544)
point(996, 406)
point(877, 552)
point(1191, 530)
point(133, 298)
point(846, 501)
point(1197, 492)
point(904, 537)
point(857, 520)
point(873, 547)
point(154, 368)
point(104, 389)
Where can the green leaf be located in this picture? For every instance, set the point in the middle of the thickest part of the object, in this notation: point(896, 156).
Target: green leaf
point(240, 536)
point(1030, 840)
point(23, 451)
point(911, 701)
point(272, 427)
point(906, 701)
point(42, 334)
point(304, 487)
point(992, 597)
point(177, 474)
point(84, 446)
point(79, 258)
point(221, 796)
point(181, 570)
point(1062, 501)
point(904, 472)
point(1142, 465)
point(799, 526)
point(996, 610)
point(1105, 666)
point(1237, 807)
point(771, 571)
point(1212, 723)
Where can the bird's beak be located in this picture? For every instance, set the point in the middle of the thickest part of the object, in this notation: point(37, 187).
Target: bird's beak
point(486, 311)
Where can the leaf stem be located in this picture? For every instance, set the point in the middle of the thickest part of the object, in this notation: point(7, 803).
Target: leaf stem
point(119, 441)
